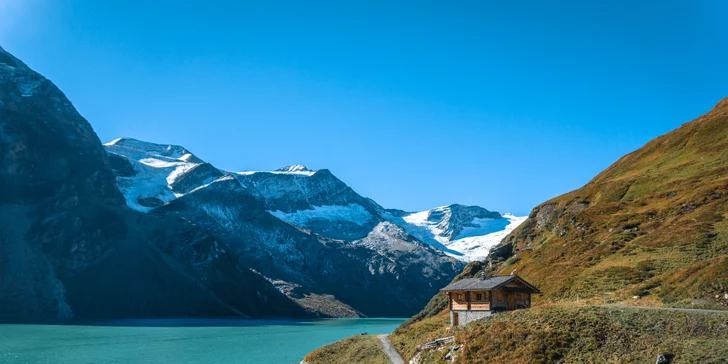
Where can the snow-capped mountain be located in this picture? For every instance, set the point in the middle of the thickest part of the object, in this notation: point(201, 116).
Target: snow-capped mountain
point(463, 232)
point(315, 200)
point(71, 247)
point(311, 199)
point(305, 231)
point(135, 229)
point(158, 173)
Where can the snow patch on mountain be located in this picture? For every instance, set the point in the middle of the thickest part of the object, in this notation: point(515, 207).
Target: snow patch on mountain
point(324, 204)
point(306, 173)
point(157, 167)
point(224, 178)
point(476, 247)
point(466, 239)
point(294, 168)
point(223, 215)
point(148, 184)
point(354, 213)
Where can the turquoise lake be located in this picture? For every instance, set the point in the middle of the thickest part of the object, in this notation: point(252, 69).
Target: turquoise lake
point(179, 341)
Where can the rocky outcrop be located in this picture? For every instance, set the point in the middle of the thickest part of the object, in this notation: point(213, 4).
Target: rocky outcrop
point(320, 243)
point(70, 246)
point(387, 273)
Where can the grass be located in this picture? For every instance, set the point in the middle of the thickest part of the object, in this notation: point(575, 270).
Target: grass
point(361, 349)
point(406, 338)
point(654, 225)
point(573, 334)
point(553, 333)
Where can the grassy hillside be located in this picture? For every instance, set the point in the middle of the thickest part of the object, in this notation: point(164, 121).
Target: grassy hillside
point(571, 334)
point(652, 225)
point(361, 349)
point(564, 333)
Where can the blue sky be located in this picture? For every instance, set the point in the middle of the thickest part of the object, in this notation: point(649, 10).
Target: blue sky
point(415, 104)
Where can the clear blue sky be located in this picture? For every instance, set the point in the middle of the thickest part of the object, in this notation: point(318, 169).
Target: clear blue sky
point(415, 104)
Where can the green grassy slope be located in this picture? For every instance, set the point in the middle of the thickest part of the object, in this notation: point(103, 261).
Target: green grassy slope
point(652, 224)
point(564, 333)
point(571, 334)
point(361, 349)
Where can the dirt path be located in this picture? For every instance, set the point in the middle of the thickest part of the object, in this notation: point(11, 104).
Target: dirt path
point(391, 352)
point(670, 309)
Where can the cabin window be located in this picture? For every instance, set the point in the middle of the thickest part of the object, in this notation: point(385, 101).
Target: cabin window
point(478, 296)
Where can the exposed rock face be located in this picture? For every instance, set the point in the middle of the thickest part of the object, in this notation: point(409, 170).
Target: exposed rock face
point(315, 200)
point(55, 190)
point(664, 358)
point(145, 230)
point(69, 246)
point(313, 237)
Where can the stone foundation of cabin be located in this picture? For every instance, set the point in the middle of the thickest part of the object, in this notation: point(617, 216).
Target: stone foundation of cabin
point(465, 317)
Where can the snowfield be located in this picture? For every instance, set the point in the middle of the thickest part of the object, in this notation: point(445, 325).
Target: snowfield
point(478, 235)
point(296, 169)
point(156, 166)
point(476, 247)
point(335, 213)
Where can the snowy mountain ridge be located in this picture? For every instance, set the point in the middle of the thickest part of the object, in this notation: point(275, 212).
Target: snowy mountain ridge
point(316, 200)
point(463, 232)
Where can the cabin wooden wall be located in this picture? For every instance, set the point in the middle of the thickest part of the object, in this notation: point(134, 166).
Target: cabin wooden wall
point(499, 299)
point(458, 301)
point(483, 303)
point(468, 300)
point(521, 299)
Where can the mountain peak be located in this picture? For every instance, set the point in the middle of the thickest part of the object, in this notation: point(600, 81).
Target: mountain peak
point(139, 149)
point(294, 168)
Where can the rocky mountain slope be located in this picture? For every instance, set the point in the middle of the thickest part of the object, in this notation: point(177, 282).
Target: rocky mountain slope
point(69, 246)
point(313, 200)
point(305, 231)
point(142, 230)
point(652, 224)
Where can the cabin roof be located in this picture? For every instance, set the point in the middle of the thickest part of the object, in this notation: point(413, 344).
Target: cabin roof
point(489, 283)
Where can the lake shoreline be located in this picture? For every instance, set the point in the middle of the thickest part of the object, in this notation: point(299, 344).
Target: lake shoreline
point(184, 341)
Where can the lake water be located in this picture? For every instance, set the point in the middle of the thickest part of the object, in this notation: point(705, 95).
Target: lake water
point(179, 341)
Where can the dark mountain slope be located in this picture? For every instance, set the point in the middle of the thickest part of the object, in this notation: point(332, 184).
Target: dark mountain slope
point(652, 224)
point(387, 273)
point(185, 239)
point(69, 245)
point(326, 247)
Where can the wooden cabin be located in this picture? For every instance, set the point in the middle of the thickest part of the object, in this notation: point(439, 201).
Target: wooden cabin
point(472, 299)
